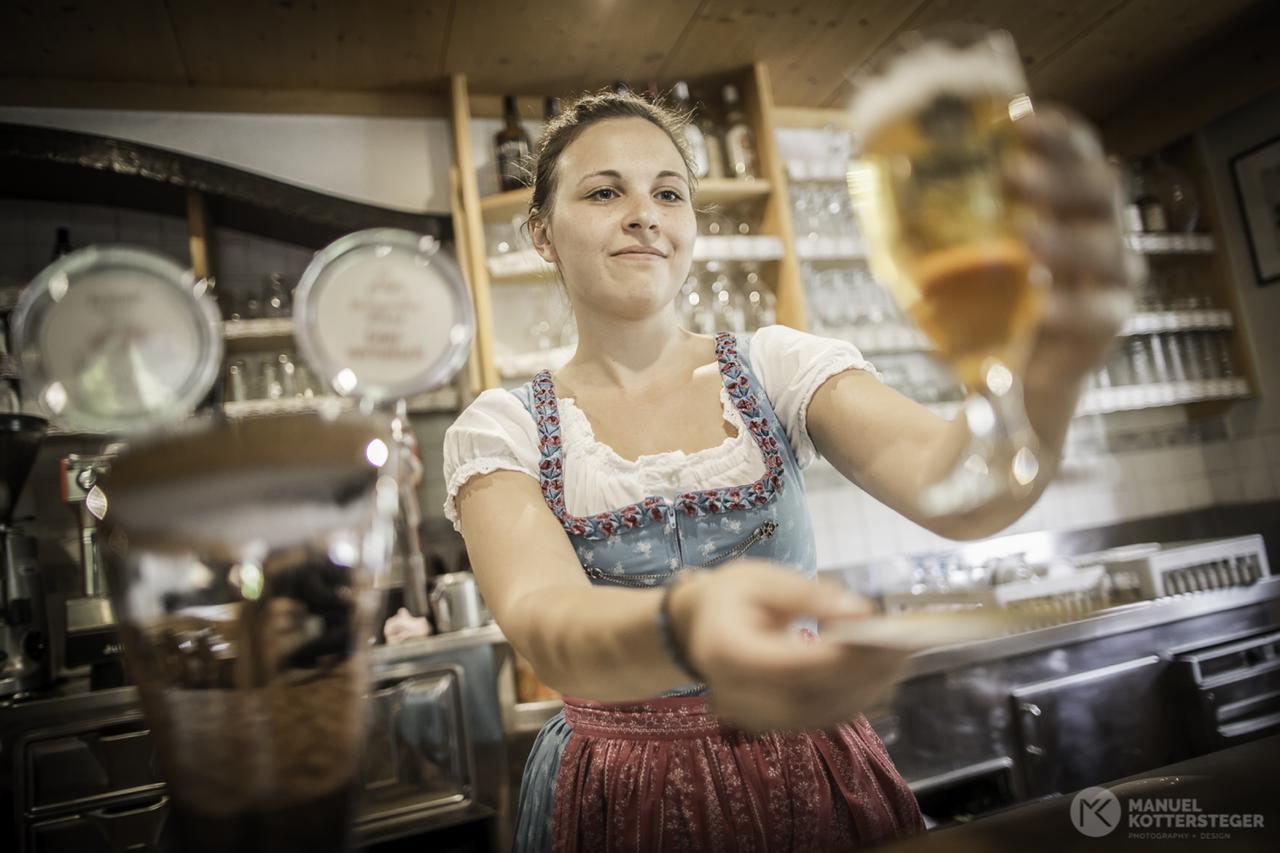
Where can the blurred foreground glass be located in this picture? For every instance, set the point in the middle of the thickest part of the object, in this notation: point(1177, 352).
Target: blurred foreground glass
point(241, 563)
point(935, 120)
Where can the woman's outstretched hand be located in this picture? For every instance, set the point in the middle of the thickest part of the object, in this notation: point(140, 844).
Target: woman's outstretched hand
point(1063, 176)
point(735, 625)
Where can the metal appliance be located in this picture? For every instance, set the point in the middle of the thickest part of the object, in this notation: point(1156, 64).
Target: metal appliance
point(1157, 570)
point(24, 630)
point(91, 638)
point(456, 602)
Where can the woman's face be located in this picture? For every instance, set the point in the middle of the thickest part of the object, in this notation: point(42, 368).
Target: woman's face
point(622, 224)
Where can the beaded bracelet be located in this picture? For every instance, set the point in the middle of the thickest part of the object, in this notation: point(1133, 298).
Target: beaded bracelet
point(666, 630)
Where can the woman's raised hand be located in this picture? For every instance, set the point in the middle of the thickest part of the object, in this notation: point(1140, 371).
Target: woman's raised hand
point(735, 626)
point(1063, 175)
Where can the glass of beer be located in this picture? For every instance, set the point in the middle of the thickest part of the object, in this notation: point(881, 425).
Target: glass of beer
point(240, 562)
point(934, 119)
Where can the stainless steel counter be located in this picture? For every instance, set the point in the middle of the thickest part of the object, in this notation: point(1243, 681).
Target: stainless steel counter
point(77, 771)
point(1112, 621)
point(986, 725)
point(1238, 782)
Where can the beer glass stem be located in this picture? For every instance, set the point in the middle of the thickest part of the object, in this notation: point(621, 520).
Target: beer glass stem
point(1003, 453)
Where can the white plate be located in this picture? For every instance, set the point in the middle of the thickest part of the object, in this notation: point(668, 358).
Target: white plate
point(925, 630)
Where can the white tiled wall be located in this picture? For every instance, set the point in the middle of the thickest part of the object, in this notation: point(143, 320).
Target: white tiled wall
point(28, 230)
point(243, 260)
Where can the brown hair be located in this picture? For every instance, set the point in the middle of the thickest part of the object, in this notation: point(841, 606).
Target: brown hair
point(577, 117)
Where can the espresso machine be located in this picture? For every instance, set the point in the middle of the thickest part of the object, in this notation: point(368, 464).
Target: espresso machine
point(91, 638)
point(25, 663)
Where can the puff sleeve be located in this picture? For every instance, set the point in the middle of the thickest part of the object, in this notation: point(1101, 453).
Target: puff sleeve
point(494, 433)
point(792, 365)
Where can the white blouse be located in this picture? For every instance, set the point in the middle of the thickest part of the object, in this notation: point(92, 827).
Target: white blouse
point(496, 432)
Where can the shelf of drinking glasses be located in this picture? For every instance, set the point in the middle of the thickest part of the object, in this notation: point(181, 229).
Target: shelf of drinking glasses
point(885, 338)
point(830, 170)
point(830, 249)
point(1151, 322)
point(1171, 244)
point(252, 334)
point(1100, 401)
point(738, 247)
point(501, 207)
point(239, 409)
point(888, 338)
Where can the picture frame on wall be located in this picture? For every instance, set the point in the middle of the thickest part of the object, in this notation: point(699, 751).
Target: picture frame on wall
point(1256, 173)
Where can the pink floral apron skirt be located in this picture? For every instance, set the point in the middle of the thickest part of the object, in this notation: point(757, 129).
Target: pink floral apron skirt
point(664, 774)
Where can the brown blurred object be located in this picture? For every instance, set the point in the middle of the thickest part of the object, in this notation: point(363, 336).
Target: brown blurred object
point(528, 687)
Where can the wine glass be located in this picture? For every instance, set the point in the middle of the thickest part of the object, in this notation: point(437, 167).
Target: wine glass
point(935, 120)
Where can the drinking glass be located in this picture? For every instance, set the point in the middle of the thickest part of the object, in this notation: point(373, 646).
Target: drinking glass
point(240, 564)
point(935, 119)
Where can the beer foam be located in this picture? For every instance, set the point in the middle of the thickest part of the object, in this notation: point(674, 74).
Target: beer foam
point(910, 81)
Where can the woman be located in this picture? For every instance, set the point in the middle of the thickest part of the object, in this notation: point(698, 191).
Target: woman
point(585, 495)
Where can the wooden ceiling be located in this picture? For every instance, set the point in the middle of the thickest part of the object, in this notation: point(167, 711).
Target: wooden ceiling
point(1094, 54)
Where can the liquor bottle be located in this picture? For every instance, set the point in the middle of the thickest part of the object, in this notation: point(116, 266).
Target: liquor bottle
point(550, 108)
point(61, 243)
point(1127, 175)
point(739, 141)
point(1154, 218)
point(1177, 195)
point(511, 145)
point(714, 143)
point(693, 138)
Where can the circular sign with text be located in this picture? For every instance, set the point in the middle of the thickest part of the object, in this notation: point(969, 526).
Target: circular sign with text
point(116, 339)
point(383, 314)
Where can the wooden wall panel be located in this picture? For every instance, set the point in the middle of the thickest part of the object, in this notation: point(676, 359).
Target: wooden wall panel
point(1041, 29)
point(1141, 42)
point(1232, 71)
point(562, 46)
point(1094, 54)
point(323, 44)
point(120, 41)
point(806, 44)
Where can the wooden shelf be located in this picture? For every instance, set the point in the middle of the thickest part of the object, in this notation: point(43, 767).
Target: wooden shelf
point(1152, 322)
point(238, 409)
point(831, 249)
point(1171, 244)
point(1101, 401)
point(440, 400)
point(773, 241)
point(731, 191)
point(503, 206)
point(885, 337)
point(247, 335)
